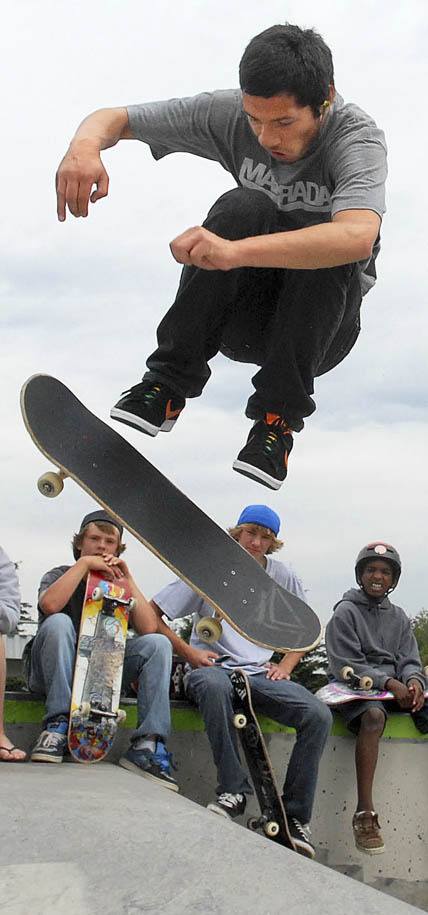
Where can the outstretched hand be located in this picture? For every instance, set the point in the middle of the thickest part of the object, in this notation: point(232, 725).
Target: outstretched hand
point(80, 169)
point(200, 657)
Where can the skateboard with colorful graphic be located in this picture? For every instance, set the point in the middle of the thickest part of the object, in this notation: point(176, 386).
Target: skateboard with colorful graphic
point(338, 692)
point(273, 819)
point(137, 495)
point(94, 711)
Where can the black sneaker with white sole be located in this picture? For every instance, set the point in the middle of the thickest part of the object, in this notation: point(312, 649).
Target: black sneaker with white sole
point(52, 743)
point(150, 406)
point(301, 836)
point(264, 457)
point(229, 805)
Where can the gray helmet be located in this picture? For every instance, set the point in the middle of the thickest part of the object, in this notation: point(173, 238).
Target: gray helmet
point(378, 550)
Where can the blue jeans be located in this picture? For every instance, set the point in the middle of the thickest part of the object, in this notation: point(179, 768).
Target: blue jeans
point(285, 702)
point(147, 661)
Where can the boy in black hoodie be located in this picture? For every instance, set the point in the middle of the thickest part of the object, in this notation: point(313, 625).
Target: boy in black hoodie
point(375, 637)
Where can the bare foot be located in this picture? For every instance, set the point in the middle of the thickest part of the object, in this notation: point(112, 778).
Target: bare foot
point(9, 753)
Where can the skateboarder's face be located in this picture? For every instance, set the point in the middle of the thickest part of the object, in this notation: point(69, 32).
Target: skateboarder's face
point(284, 128)
point(256, 540)
point(377, 577)
point(97, 542)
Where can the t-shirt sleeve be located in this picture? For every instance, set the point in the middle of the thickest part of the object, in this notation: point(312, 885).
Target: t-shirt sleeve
point(49, 578)
point(177, 599)
point(203, 125)
point(359, 170)
point(10, 601)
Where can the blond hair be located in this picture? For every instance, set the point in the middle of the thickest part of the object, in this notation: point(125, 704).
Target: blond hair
point(274, 545)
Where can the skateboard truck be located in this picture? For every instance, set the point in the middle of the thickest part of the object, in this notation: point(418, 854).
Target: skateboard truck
point(87, 710)
point(347, 674)
point(110, 604)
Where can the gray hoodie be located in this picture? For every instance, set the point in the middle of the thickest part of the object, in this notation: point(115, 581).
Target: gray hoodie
point(376, 639)
point(10, 600)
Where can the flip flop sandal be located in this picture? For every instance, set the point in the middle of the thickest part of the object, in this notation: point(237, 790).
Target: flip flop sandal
point(10, 751)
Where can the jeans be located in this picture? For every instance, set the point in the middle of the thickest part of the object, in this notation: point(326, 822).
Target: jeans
point(147, 661)
point(295, 324)
point(284, 701)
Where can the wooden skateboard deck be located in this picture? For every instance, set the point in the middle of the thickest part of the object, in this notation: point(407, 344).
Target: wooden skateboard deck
point(94, 711)
point(117, 476)
point(273, 819)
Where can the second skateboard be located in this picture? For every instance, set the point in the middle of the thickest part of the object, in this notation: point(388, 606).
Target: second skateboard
point(273, 818)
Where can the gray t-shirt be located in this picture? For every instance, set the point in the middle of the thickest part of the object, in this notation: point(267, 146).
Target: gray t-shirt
point(345, 168)
point(177, 599)
point(73, 607)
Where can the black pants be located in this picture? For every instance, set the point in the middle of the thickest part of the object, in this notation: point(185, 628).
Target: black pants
point(295, 324)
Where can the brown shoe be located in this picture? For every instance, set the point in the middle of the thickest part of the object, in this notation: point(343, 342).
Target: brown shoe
point(367, 832)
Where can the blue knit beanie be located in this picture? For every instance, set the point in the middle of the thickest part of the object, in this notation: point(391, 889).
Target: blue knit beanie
point(260, 514)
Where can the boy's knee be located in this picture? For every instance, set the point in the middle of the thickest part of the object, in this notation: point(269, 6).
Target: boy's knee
point(325, 717)
point(157, 644)
point(319, 716)
point(373, 719)
point(206, 683)
point(58, 626)
point(241, 212)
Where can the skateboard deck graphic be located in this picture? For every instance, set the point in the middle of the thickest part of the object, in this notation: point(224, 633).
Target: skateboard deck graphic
point(94, 711)
point(273, 820)
point(125, 484)
point(337, 693)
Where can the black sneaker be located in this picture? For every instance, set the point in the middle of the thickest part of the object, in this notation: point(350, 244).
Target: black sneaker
point(156, 766)
point(149, 406)
point(51, 743)
point(229, 805)
point(265, 456)
point(301, 836)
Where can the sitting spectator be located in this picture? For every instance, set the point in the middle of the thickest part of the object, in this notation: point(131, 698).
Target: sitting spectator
point(374, 637)
point(10, 606)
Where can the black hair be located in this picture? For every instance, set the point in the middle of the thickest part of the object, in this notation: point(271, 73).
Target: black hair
point(286, 59)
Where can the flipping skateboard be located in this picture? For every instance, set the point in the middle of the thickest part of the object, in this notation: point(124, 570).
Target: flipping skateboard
point(137, 495)
point(95, 712)
point(338, 692)
point(273, 819)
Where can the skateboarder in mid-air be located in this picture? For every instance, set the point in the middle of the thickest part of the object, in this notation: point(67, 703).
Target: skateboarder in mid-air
point(273, 693)
point(275, 275)
point(97, 547)
point(374, 637)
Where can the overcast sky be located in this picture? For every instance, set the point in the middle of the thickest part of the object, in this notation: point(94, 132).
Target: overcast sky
point(82, 300)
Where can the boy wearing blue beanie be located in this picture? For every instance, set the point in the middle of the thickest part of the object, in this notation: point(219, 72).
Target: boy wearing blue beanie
point(273, 693)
